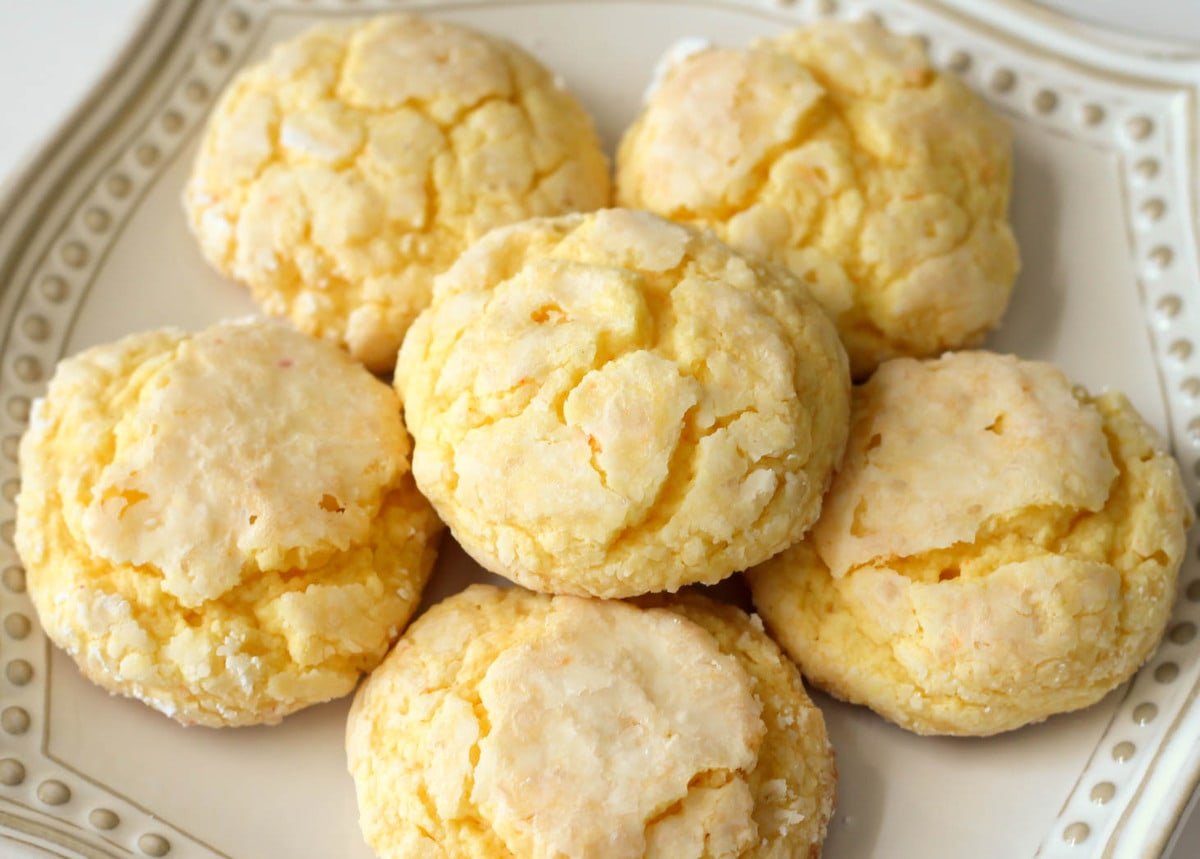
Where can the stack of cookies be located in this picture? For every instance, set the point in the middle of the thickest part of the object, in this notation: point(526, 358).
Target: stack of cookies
point(606, 406)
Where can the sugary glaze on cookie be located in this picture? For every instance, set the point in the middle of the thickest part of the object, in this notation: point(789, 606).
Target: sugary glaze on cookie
point(340, 175)
point(612, 404)
point(507, 723)
point(839, 151)
point(940, 447)
point(221, 524)
point(621, 709)
point(997, 547)
point(794, 780)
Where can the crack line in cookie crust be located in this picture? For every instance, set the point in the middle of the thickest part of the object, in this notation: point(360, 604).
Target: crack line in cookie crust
point(675, 395)
point(423, 790)
point(186, 555)
point(838, 124)
point(1047, 603)
point(336, 187)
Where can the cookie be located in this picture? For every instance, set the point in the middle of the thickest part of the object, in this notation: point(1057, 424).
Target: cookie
point(338, 177)
point(998, 547)
point(610, 405)
point(221, 524)
point(839, 151)
point(507, 723)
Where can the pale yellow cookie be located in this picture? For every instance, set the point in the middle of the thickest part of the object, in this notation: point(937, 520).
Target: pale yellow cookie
point(611, 404)
point(221, 524)
point(839, 151)
point(338, 177)
point(997, 548)
point(512, 724)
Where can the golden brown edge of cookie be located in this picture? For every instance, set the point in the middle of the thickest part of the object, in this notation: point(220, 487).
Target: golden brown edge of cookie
point(608, 579)
point(721, 620)
point(728, 625)
point(402, 496)
point(201, 717)
point(867, 343)
point(1115, 409)
point(519, 62)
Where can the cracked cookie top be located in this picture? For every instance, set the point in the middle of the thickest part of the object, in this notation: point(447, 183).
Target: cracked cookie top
point(611, 404)
point(838, 151)
point(997, 547)
point(222, 524)
point(507, 723)
point(339, 176)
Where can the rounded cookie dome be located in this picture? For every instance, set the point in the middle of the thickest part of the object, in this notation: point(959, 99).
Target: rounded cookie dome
point(610, 404)
point(221, 524)
point(339, 176)
point(507, 723)
point(838, 151)
point(997, 547)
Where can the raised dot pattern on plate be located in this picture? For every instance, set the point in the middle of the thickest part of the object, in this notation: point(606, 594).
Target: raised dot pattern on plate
point(154, 845)
point(960, 62)
point(102, 818)
point(12, 772)
point(14, 580)
point(1004, 80)
point(18, 409)
point(74, 254)
point(14, 720)
point(1077, 833)
point(1144, 713)
point(1153, 209)
point(1140, 127)
point(19, 672)
point(54, 288)
point(36, 327)
point(1092, 114)
point(17, 626)
point(1045, 101)
point(97, 219)
point(1166, 673)
point(1123, 751)
point(53, 792)
point(28, 369)
point(1182, 633)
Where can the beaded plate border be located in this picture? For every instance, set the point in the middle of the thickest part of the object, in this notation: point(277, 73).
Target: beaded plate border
point(1130, 97)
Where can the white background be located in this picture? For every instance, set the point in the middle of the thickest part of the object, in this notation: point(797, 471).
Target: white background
point(51, 51)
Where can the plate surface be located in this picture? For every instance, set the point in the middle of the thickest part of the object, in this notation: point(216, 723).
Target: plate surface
point(93, 245)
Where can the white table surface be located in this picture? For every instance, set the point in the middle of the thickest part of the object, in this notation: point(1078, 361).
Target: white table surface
point(51, 51)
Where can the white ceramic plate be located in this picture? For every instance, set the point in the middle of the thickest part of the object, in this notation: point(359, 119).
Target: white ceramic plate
point(93, 246)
